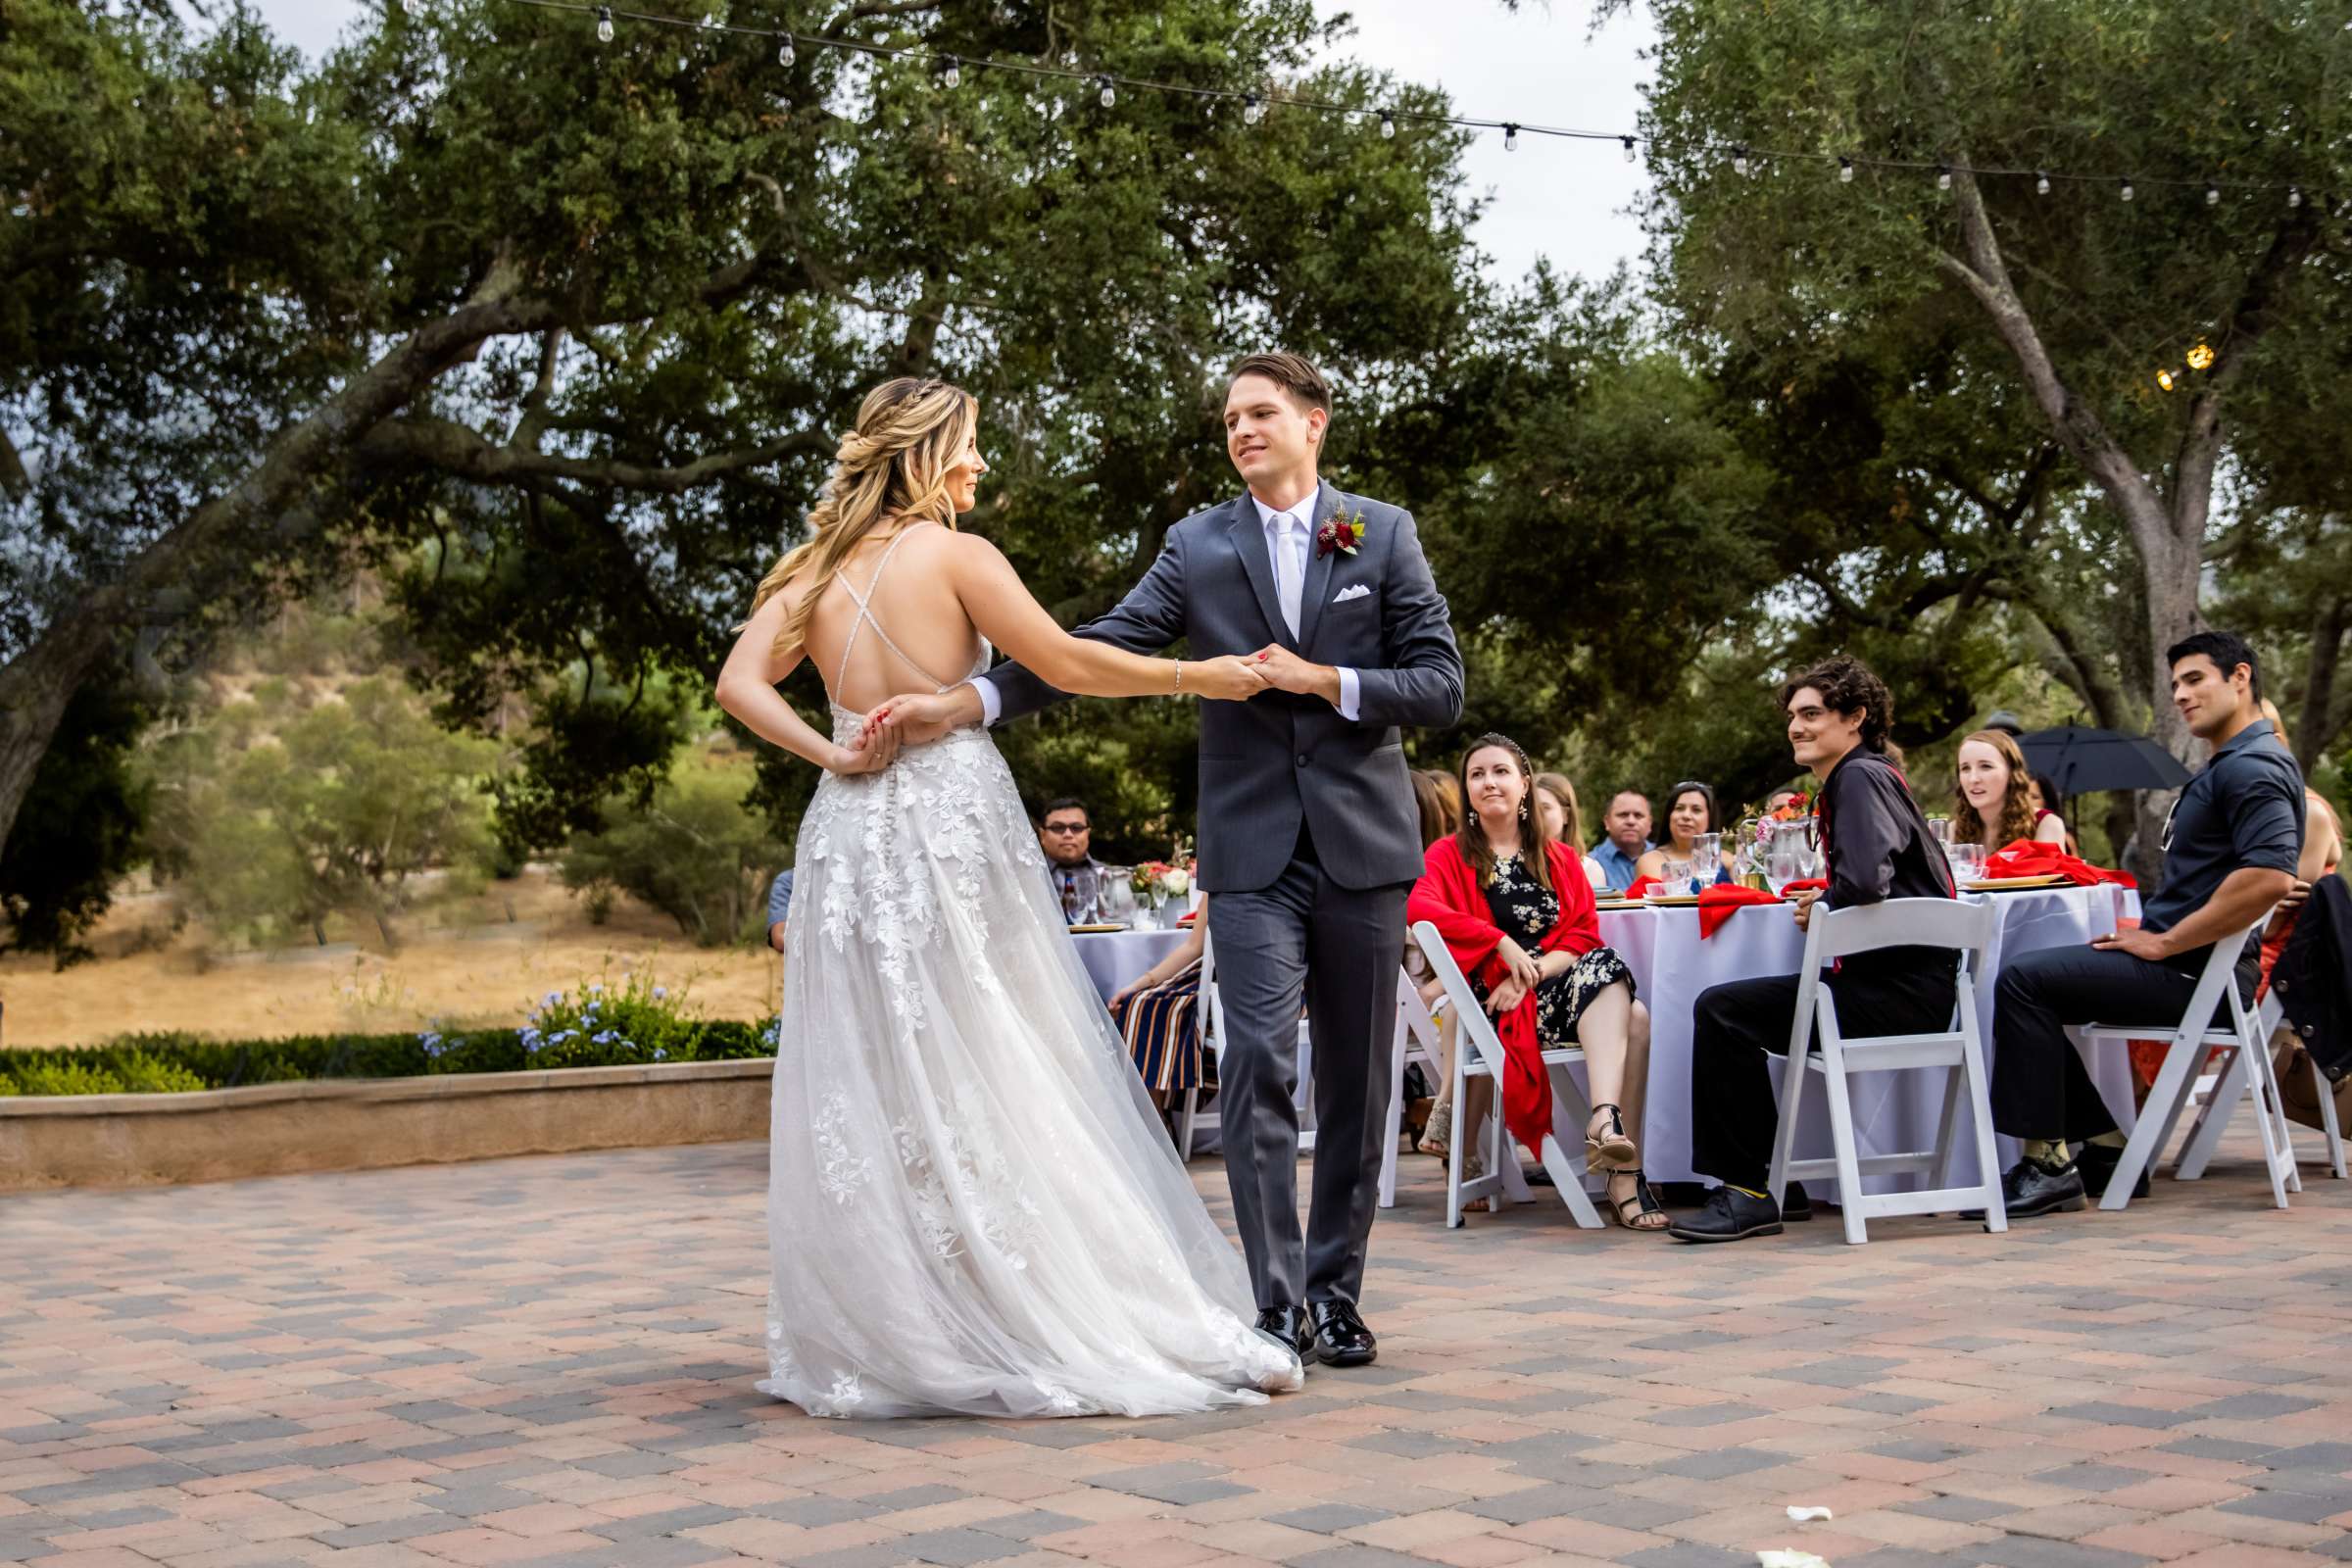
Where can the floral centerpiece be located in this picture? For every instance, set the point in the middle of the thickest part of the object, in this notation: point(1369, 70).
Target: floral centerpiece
point(1757, 827)
point(1155, 882)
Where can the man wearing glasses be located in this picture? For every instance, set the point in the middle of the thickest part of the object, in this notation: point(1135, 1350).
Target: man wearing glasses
point(2229, 849)
point(1067, 835)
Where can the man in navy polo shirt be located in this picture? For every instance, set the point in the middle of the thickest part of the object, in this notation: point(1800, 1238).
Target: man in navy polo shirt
point(2229, 849)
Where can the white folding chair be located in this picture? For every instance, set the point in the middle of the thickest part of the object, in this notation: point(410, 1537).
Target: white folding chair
point(2176, 1082)
point(2217, 1096)
point(1478, 1053)
point(1965, 926)
point(1208, 1012)
point(1420, 1036)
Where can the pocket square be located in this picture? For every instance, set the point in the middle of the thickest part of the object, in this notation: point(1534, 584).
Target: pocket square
point(1346, 594)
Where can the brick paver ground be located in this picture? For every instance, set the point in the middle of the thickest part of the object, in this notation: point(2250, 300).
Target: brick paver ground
point(551, 1360)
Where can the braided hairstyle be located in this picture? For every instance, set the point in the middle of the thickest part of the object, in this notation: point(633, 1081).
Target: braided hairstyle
point(892, 466)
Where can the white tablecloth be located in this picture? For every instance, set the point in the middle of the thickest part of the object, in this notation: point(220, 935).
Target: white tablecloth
point(1114, 958)
point(1892, 1111)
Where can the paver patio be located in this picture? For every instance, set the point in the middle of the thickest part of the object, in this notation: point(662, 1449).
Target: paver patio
point(551, 1360)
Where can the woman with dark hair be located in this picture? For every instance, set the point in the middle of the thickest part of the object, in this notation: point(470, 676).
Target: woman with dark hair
point(2048, 802)
point(1518, 917)
point(1440, 801)
point(1690, 811)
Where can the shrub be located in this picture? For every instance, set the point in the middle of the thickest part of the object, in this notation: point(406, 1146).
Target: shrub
point(142, 1074)
point(68, 1078)
point(696, 854)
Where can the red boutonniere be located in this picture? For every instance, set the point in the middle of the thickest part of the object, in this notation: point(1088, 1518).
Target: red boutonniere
point(1342, 531)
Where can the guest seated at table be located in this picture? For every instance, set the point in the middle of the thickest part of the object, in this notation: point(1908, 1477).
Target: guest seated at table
point(1066, 835)
point(1993, 802)
point(1159, 1013)
point(1564, 820)
point(1518, 917)
point(2231, 845)
point(2045, 797)
point(1876, 845)
point(779, 908)
point(1628, 825)
point(1690, 811)
point(1779, 798)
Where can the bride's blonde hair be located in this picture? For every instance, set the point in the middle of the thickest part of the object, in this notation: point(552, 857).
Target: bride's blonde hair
point(893, 466)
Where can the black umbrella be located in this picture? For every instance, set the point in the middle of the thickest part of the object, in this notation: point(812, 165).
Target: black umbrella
point(2078, 760)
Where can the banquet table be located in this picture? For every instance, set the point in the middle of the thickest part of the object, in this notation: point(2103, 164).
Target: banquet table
point(1893, 1112)
point(1114, 958)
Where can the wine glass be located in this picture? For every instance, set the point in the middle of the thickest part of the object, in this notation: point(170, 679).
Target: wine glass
point(1706, 860)
point(1118, 902)
point(1940, 829)
point(1968, 860)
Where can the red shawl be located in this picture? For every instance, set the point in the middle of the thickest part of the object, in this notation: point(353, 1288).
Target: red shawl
point(1448, 897)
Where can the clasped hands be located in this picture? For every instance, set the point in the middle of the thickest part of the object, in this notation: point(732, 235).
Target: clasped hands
point(915, 717)
point(1523, 974)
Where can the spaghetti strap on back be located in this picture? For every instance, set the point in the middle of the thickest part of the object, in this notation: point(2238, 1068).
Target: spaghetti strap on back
point(867, 617)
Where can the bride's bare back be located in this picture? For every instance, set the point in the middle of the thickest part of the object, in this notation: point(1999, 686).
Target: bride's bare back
point(891, 621)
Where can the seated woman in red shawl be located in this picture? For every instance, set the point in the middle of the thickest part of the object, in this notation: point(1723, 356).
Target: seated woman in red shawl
point(1516, 912)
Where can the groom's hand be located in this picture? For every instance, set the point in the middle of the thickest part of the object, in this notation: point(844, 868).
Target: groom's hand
point(1286, 671)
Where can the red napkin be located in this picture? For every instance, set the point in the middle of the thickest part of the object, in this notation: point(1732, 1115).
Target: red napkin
point(1639, 886)
point(1716, 904)
point(1807, 884)
point(2028, 857)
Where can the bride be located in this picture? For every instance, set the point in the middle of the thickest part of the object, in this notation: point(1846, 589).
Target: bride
point(971, 1205)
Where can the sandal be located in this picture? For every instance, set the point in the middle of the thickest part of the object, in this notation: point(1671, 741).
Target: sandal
point(1438, 1136)
point(1645, 1213)
point(1612, 1150)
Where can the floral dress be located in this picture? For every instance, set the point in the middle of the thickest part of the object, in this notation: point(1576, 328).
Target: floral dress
point(1527, 912)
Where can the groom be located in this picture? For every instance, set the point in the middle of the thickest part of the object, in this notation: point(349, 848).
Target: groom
point(1309, 835)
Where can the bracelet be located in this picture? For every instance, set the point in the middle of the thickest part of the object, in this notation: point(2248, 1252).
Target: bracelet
point(1179, 689)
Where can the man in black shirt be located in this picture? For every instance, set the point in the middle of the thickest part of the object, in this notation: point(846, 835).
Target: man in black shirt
point(2229, 849)
point(1878, 847)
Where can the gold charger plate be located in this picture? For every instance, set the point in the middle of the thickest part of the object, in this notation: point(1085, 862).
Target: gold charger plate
point(1675, 900)
point(1095, 930)
point(1995, 884)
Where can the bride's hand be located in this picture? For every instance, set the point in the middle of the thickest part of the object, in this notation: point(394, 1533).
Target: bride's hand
point(871, 751)
point(1232, 677)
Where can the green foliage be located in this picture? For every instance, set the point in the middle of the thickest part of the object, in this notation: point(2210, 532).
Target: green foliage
point(694, 851)
point(277, 811)
point(66, 1078)
point(79, 832)
point(602, 1022)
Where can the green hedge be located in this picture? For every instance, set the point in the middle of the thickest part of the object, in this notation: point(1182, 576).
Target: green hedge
point(153, 1063)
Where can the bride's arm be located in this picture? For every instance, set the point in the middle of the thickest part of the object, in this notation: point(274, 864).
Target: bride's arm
point(747, 689)
point(1000, 605)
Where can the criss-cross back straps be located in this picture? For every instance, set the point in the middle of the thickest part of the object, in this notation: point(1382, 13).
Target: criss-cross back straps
point(865, 616)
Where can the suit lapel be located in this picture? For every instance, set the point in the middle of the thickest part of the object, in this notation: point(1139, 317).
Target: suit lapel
point(1318, 568)
point(1249, 537)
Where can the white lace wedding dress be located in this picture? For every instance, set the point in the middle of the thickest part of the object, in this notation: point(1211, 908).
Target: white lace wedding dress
point(971, 1205)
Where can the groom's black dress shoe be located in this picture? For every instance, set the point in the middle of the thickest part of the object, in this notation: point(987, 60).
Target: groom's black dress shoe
point(1341, 1337)
point(1288, 1326)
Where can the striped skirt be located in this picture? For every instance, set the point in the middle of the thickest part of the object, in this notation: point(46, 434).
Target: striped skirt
point(1163, 1030)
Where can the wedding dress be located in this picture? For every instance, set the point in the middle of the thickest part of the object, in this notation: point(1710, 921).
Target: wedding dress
point(972, 1207)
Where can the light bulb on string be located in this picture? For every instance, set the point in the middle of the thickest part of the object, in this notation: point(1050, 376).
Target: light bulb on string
point(1845, 171)
point(2294, 196)
point(710, 22)
point(1629, 147)
point(2126, 192)
point(604, 24)
point(1387, 124)
point(1739, 157)
point(1510, 137)
point(1354, 118)
point(2200, 357)
point(1943, 176)
point(413, 7)
point(2164, 380)
point(784, 52)
point(2041, 182)
point(1253, 110)
point(1109, 95)
point(2213, 195)
point(952, 74)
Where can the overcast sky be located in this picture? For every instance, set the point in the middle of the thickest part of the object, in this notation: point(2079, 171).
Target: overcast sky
point(1565, 200)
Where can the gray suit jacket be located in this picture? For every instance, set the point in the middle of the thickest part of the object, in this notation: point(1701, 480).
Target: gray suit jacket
point(1266, 761)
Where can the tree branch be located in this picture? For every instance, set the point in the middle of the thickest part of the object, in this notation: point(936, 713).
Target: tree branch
point(459, 450)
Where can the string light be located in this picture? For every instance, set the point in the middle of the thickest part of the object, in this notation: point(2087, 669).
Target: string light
point(1744, 160)
point(2164, 380)
point(2200, 357)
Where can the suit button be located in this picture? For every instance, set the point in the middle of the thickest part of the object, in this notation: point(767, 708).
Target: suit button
point(1301, 759)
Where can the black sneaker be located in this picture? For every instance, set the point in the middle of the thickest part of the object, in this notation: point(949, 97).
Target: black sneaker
point(1729, 1215)
point(2030, 1189)
point(2097, 1162)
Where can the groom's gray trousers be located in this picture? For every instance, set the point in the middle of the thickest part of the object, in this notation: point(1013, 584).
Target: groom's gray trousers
point(1304, 938)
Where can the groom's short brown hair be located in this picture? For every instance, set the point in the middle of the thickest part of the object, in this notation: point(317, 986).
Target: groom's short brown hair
point(1288, 371)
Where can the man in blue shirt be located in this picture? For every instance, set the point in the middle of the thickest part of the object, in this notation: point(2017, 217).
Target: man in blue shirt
point(2229, 849)
point(1628, 826)
point(779, 905)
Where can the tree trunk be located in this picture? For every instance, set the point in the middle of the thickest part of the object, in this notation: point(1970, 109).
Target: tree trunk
point(2312, 729)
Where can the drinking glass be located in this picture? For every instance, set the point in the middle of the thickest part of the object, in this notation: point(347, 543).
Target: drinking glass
point(1968, 861)
point(1940, 829)
point(1118, 902)
point(1674, 878)
point(1784, 861)
point(1706, 858)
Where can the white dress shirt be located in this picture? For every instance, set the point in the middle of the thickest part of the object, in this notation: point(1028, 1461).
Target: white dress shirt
point(1289, 543)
